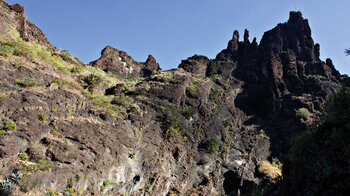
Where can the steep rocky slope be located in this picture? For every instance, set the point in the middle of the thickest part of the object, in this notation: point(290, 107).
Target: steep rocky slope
point(318, 161)
point(122, 127)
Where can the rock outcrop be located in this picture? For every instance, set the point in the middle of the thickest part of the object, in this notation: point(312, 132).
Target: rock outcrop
point(210, 127)
point(121, 64)
point(152, 64)
point(196, 64)
point(279, 75)
point(117, 62)
point(13, 16)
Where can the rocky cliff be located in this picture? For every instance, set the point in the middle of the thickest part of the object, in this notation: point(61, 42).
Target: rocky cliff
point(121, 64)
point(121, 127)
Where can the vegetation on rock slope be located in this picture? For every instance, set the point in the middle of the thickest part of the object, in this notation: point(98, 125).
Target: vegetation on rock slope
point(205, 128)
point(318, 161)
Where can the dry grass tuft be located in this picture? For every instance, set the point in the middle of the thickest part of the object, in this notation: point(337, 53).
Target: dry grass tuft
point(273, 170)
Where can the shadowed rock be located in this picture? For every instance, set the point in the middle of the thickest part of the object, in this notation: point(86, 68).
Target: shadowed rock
point(196, 64)
point(174, 132)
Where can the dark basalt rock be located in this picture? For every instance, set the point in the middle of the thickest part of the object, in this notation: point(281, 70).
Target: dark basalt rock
point(174, 132)
point(120, 63)
point(285, 63)
point(196, 64)
point(27, 30)
point(115, 90)
point(152, 64)
point(117, 62)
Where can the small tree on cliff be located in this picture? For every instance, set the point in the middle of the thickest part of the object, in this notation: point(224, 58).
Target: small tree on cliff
point(347, 51)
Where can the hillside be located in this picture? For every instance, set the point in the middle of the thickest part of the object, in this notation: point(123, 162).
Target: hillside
point(116, 126)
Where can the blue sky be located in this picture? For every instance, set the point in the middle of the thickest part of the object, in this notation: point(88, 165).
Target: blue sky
point(174, 30)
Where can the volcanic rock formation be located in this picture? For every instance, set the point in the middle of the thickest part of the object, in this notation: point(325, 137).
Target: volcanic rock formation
point(210, 127)
point(121, 64)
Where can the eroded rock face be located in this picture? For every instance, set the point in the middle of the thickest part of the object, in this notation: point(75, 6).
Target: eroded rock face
point(152, 64)
point(27, 30)
point(196, 64)
point(173, 132)
point(120, 63)
point(117, 62)
point(285, 64)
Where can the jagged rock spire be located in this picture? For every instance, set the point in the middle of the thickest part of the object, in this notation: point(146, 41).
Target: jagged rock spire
point(151, 63)
point(246, 36)
point(317, 50)
point(233, 44)
point(295, 16)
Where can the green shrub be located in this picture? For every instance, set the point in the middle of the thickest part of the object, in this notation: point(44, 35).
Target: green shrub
point(173, 122)
point(226, 148)
point(59, 82)
point(100, 99)
point(212, 68)
point(60, 65)
point(10, 126)
point(122, 100)
point(105, 183)
point(142, 128)
point(111, 79)
point(4, 95)
point(146, 87)
point(23, 156)
point(91, 80)
point(3, 132)
point(22, 48)
point(188, 112)
point(76, 69)
point(54, 130)
point(303, 113)
point(175, 130)
point(42, 165)
point(8, 30)
point(25, 83)
point(6, 50)
point(213, 145)
point(192, 87)
point(69, 192)
point(216, 77)
point(30, 50)
point(214, 95)
point(42, 117)
point(104, 102)
point(33, 51)
point(51, 192)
